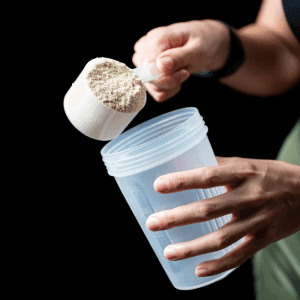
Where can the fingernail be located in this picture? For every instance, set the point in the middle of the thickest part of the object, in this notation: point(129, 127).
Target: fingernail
point(168, 61)
point(201, 272)
point(170, 253)
point(161, 184)
point(153, 223)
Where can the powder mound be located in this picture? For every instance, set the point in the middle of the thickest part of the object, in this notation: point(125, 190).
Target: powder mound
point(116, 86)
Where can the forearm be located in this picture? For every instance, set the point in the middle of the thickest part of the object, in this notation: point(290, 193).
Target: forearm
point(270, 67)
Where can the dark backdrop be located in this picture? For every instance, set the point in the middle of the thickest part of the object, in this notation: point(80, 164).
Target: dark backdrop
point(102, 247)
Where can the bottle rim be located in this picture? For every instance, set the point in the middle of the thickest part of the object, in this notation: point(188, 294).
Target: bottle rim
point(153, 142)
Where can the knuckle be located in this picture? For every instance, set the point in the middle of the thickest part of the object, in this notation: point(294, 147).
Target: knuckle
point(210, 176)
point(135, 59)
point(163, 42)
point(160, 36)
point(222, 241)
point(258, 196)
point(160, 97)
point(249, 167)
point(206, 210)
point(156, 32)
point(141, 44)
point(170, 219)
point(136, 45)
point(234, 159)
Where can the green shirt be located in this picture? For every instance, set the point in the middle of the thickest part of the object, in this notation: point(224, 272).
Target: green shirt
point(276, 268)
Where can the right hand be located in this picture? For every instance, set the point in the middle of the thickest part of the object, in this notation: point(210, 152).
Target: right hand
point(193, 46)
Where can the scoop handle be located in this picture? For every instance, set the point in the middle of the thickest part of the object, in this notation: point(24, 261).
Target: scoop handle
point(148, 72)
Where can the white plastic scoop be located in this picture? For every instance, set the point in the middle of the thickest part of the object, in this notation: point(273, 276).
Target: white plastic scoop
point(148, 72)
point(93, 118)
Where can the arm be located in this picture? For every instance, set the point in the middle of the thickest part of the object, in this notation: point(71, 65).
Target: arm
point(272, 54)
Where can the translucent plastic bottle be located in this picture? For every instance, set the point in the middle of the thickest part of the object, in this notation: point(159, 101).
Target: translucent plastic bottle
point(172, 142)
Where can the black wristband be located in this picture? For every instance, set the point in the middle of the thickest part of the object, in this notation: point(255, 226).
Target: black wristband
point(234, 61)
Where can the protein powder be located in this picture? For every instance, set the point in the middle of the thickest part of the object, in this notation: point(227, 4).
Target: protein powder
point(116, 86)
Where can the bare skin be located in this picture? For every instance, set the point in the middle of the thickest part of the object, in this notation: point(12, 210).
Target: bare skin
point(272, 54)
point(263, 196)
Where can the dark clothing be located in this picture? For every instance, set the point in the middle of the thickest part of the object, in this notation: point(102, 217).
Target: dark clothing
point(292, 13)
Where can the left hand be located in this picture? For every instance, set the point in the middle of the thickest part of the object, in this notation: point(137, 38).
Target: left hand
point(263, 197)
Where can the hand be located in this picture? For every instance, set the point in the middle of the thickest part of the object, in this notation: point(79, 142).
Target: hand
point(263, 197)
point(191, 46)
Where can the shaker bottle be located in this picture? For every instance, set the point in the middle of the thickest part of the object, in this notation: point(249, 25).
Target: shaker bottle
point(172, 142)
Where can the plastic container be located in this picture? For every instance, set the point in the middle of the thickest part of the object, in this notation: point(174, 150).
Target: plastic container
point(172, 142)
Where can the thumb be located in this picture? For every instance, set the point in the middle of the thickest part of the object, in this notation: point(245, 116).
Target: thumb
point(175, 59)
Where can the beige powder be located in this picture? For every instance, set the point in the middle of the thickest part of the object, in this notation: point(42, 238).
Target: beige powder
point(116, 85)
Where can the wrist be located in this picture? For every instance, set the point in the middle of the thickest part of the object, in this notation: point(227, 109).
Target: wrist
point(223, 44)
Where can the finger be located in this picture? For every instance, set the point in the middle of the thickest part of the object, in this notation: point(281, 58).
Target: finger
point(160, 95)
point(180, 57)
point(230, 260)
point(201, 178)
point(234, 201)
point(172, 80)
point(156, 42)
point(161, 90)
point(140, 44)
point(157, 89)
point(218, 240)
point(136, 59)
point(222, 160)
point(199, 211)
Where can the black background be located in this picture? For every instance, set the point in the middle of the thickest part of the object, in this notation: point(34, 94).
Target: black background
point(101, 246)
